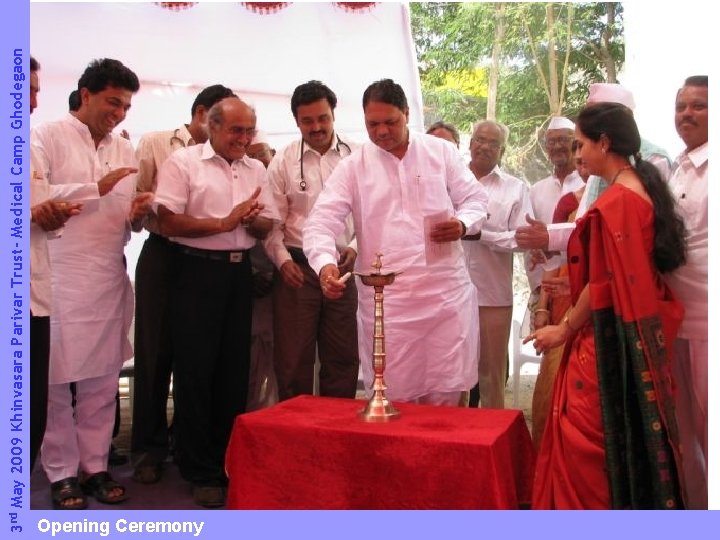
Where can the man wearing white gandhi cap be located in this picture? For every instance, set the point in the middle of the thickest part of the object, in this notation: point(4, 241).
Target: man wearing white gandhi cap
point(545, 194)
point(554, 237)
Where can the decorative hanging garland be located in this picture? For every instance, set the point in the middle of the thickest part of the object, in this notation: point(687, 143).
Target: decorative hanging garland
point(356, 7)
point(175, 6)
point(265, 8)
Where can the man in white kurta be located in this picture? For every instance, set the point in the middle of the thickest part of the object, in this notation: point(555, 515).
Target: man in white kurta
point(91, 293)
point(689, 184)
point(554, 237)
point(47, 216)
point(545, 194)
point(411, 198)
point(489, 258)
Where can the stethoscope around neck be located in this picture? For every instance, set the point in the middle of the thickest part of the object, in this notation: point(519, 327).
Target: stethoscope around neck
point(303, 183)
point(175, 141)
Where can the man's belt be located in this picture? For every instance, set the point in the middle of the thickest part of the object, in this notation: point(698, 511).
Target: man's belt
point(297, 254)
point(236, 256)
point(160, 239)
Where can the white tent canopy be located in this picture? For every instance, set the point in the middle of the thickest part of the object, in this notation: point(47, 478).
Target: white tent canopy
point(263, 56)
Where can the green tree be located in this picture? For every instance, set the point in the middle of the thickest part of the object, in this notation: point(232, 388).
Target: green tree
point(529, 60)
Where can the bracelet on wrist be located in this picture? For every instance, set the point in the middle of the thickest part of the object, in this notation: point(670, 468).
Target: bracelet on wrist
point(541, 310)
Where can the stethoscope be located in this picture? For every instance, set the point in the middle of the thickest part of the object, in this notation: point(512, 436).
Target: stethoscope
point(303, 184)
point(176, 140)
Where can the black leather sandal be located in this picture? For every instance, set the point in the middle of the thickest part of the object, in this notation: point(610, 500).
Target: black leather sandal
point(101, 485)
point(65, 490)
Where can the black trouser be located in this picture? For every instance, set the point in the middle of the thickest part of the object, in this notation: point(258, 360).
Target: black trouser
point(211, 318)
point(153, 351)
point(39, 365)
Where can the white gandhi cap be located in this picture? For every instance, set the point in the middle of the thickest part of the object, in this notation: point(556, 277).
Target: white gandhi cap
point(560, 122)
point(611, 93)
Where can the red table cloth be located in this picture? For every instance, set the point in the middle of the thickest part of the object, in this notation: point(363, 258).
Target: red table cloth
point(315, 453)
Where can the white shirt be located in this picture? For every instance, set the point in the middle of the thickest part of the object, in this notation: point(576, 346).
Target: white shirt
point(490, 259)
point(197, 182)
point(689, 185)
point(294, 203)
point(92, 301)
point(152, 151)
point(431, 320)
point(544, 196)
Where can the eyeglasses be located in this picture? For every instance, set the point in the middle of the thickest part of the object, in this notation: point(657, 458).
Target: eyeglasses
point(238, 131)
point(482, 141)
point(558, 141)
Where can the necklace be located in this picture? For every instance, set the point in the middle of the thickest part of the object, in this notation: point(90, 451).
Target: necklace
point(626, 168)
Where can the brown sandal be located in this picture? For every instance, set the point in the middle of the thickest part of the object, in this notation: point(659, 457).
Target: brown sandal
point(101, 485)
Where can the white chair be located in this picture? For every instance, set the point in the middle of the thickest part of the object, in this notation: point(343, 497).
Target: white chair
point(519, 354)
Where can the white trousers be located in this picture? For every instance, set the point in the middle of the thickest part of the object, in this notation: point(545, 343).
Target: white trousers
point(691, 381)
point(79, 440)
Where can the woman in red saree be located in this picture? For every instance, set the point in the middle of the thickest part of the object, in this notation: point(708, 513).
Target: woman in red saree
point(611, 438)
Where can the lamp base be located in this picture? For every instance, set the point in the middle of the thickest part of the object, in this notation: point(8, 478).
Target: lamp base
point(378, 409)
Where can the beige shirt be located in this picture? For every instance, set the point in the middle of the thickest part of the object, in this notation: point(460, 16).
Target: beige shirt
point(152, 151)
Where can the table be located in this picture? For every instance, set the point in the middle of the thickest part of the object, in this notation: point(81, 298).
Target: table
point(314, 453)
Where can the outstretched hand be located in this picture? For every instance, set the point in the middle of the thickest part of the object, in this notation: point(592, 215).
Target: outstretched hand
point(534, 235)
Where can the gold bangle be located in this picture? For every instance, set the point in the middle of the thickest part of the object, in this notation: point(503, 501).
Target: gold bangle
point(541, 310)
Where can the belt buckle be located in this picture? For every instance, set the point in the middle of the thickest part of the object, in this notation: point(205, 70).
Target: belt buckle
point(236, 256)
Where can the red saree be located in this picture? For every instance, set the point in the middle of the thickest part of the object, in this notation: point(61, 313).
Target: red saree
point(610, 440)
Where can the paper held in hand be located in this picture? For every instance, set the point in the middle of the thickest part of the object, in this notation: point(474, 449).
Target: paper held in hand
point(436, 252)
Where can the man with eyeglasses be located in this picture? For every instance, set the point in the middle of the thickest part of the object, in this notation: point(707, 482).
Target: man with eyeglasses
point(489, 256)
point(153, 274)
point(303, 319)
point(553, 237)
point(213, 201)
point(545, 194)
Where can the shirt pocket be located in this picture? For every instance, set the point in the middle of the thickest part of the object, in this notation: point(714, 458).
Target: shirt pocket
point(432, 194)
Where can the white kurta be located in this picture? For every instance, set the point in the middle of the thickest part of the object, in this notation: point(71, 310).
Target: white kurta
point(431, 320)
point(92, 301)
point(544, 196)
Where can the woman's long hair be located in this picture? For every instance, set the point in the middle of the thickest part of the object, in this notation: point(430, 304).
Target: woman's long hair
point(616, 122)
